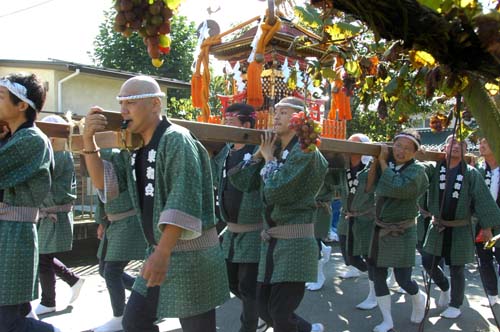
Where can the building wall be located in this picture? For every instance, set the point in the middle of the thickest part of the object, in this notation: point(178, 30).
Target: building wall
point(46, 75)
point(79, 93)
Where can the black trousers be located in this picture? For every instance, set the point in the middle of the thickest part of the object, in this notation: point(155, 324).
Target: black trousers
point(487, 267)
point(49, 268)
point(403, 278)
point(431, 265)
point(356, 261)
point(116, 282)
point(140, 315)
point(243, 284)
point(13, 319)
point(277, 304)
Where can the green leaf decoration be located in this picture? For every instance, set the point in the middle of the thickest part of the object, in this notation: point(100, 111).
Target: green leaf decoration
point(484, 109)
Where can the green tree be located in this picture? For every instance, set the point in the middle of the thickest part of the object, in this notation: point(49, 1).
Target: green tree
point(112, 50)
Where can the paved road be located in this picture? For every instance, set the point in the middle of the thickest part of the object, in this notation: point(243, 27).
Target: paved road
point(334, 305)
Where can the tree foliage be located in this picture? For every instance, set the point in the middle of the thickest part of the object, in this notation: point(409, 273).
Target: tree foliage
point(112, 50)
point(406, 56)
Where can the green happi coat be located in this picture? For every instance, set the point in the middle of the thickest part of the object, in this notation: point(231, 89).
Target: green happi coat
point(362, 226)
point(290, 196)
point(123, 238)
point(246, 246)
point(473, 192)
point(57, 235)
point(25, 162)
point(400, 193)
point(196, 281)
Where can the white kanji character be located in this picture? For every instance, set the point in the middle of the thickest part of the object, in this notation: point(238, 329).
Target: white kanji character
point(224, 173)
point(355, 182)
point(149, 190)
point(150, 173)
point(348, 175)
point(132, 159)
point(442, 177)
point(285, 154)
point(460, 177)
point(455, 194)
point(441, 186)
point(353, 190)
point(442, 170)
point(349, 183)
point(488, 182)
point(246, 157)
point(457, 186)
point(152, 156)
point(133, 176)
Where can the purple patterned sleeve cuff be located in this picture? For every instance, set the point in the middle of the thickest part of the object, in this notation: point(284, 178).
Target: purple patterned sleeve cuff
point(111, 189)
point(191, 226)
point(268, 169)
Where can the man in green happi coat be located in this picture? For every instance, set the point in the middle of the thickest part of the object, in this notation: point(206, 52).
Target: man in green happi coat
point(455, 187)
point(26, 164)
point(242, 213)
point(402, 181)
point(55, 228)
point(490, 171)
point(169, 180)
point(288, 179)
point(357, 213)
point(120, 233)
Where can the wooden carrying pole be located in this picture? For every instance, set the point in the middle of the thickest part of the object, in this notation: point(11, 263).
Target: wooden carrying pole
point(213, 137)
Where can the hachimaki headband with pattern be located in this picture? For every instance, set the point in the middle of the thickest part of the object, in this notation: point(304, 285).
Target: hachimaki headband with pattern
point(410, 137)
point(141, 96)
point(290, 105)
point(18, 90)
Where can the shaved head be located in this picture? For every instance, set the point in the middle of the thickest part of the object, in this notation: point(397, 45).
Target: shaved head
point(139, 85)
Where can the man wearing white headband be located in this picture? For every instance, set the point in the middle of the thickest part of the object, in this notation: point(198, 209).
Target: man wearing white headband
point(455, 187)
point(170, 184)
point(55, 228)
point(402, 181)
point(289, 180)
point(26, 163)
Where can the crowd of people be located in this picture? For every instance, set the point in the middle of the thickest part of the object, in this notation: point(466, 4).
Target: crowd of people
point(161, 203)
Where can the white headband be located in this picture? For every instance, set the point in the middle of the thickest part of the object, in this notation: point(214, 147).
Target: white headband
point(18, 90)
point(296, 107)
point(142, 96)
point(410, 137)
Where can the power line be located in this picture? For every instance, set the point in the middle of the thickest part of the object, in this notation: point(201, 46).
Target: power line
point(26, 8)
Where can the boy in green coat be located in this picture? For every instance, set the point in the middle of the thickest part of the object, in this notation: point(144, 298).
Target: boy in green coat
point(288, 179)
point(242, 213)
point(26, 164)
point(55, 228)
point(400, 185)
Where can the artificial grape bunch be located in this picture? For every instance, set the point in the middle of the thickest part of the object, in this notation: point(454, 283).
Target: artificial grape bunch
point(307, 130)
point(149, 18)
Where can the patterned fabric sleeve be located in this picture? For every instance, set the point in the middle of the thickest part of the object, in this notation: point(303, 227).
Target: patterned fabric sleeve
point(111, 189)
point(182, 178)
point(245, 177)
point(486, 208)
point(20, 158)
point(409, 184)
point(294, 177)
point(269, 168)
